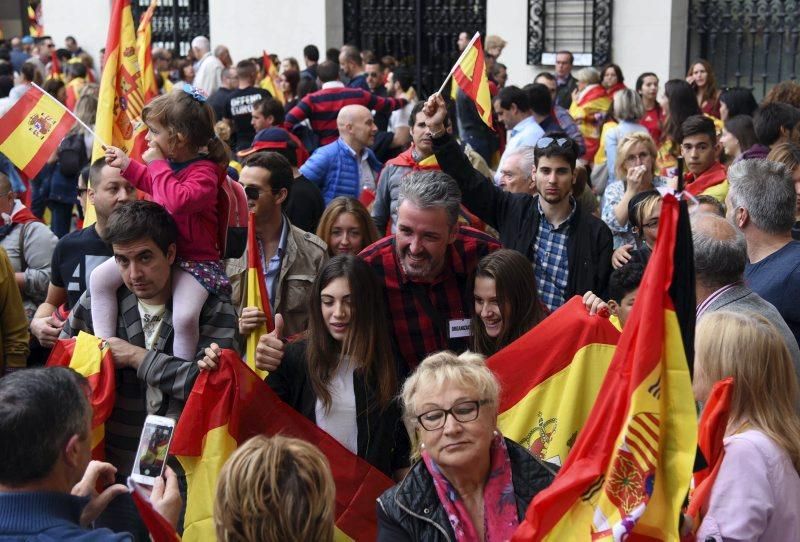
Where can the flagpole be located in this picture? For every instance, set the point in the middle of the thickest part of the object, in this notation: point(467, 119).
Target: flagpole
point(73, 115)
point(460, 58)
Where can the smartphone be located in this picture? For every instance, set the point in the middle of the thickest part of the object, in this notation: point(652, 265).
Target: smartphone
point(151, 457)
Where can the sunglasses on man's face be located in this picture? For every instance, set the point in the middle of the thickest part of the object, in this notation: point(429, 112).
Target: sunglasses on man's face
point(254, 192)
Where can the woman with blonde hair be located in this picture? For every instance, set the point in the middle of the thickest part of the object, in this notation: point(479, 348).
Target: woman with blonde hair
point(346, 227)
point(756, 492)
point(471, 483)
point(636, 169)
point(274, 490)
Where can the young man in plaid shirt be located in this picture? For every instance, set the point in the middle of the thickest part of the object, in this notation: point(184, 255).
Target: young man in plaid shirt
point(425, 268)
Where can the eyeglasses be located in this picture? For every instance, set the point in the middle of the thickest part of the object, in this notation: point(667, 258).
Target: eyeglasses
point(254, 192)
point(463, 412)
point(641, 157)
point(562, 142)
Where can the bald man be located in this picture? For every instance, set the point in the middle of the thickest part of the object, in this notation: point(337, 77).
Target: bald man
point(347, 167)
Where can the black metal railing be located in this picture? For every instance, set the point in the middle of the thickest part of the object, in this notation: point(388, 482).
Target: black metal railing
point(175, 22)
point(420, 34)
point(579, 26)
point(750, 44)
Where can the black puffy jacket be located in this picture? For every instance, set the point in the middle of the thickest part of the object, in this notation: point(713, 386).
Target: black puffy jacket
point(411, 510)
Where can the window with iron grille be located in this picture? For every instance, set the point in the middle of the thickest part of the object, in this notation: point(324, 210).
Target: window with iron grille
point(582, 27)
point(175, 22)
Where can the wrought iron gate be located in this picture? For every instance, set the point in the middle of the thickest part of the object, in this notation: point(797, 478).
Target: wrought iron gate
point(750, 43)
point(175, 22)
point(420, 34)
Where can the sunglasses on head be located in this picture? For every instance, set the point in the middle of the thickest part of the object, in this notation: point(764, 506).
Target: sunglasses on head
point(545, 142)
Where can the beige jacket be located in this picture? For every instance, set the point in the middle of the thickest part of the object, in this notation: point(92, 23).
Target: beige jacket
point(305, 255)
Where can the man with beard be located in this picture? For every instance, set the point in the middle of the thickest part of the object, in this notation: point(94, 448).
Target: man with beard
point(570, 249)
point(425, 268)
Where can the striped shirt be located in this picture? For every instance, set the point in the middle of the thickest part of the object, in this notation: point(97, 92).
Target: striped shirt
point(323, 106)
point(551, 262)
point(418, 333)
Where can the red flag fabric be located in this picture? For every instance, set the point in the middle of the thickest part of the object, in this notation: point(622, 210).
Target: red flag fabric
point(159, 528)
point(233, 399)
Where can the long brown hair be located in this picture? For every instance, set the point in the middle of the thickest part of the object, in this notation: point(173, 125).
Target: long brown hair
point(517, 298)
point(182, 114)
point(367, 343)
point(710, 90)
point(340, 205)
point(747, 347)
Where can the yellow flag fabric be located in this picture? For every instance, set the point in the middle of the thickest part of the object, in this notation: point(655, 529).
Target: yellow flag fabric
point(270, 77)
point(257, 295)
point(144, 39)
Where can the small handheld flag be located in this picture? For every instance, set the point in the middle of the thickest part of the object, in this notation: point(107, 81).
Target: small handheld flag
point(469, 71)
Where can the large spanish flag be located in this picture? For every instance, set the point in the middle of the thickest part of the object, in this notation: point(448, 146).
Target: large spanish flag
point(144, 52)
point(32, 129)
point(228, 406)
point(629, 470)
point(90, 357)
point(550, 378)
point(257, 295)
point(589, 112)
point(469, 72)
point(270, 77)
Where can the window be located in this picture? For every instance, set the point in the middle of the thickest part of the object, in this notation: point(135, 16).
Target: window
point(582, 27)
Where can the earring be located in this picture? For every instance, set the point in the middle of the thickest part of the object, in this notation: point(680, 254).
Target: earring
point(422, 446)
point(495, 433)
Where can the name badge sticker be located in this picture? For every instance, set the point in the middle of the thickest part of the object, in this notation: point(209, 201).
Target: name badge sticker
point(459, 328)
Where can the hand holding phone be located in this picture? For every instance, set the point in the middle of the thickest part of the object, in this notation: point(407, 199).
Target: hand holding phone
point(151, 457)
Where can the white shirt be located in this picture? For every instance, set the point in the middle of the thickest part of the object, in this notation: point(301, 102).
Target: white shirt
point(152, 316)
point(366, 177)
point(209, 74)
point(525, 134)
point(333, 84)
point(340, 422)
point(400, 116)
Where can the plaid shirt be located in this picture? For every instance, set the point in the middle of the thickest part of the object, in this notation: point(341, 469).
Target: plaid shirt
point(416, 332)
point(551, 263)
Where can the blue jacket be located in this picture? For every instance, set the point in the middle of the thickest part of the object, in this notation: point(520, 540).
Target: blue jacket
point(42, 516)
point(335, 170)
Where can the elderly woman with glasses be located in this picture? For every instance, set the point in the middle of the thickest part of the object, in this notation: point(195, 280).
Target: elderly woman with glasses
point(471, 483)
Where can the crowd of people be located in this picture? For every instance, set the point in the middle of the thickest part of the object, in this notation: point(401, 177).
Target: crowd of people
point(402, 242)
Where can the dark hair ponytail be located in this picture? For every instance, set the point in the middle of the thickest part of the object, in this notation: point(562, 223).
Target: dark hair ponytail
point(219, 152)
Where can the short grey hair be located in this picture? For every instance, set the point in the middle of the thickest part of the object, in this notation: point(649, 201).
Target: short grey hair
point(628, 105)
point(720, 250)
point(766, 190)
point(202, 43)
point(431, 189)
point(526, 158)
point(588, 75)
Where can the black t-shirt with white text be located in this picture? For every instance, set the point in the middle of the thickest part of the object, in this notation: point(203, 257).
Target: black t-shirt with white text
point(74, 258)
point(239, 108)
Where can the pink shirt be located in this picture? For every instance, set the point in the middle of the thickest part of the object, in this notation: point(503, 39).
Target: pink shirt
point(190, 196)
point(756, 495)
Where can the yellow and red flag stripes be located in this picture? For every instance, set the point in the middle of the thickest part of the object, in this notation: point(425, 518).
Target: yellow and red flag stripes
point(144, 52)
point(257, 295)
point(90, 357)
point(629, 471)
point(550, 377)
point(228, 406)
point(159, 528)
point(713, 423)
point(55, 67)
point(470, 74)
point(32, 129)
point(270, 81)
point(121, 98)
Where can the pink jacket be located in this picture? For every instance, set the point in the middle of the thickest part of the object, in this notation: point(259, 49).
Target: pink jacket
point(756, 495)
point(190, 196)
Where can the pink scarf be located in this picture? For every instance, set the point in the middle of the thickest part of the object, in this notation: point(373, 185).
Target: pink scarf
point(500, 505)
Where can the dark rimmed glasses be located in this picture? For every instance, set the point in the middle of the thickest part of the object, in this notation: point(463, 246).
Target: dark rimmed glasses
point(463, 412)
point(254, 192)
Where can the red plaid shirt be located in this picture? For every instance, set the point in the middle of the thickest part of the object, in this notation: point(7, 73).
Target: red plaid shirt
point(416, 332)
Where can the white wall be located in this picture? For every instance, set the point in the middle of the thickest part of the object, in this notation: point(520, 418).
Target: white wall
point(280, 27)
point(86, 20)
point(647, 35)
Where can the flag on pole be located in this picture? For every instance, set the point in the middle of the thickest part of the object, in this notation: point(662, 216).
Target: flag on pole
point(121, 98)
point(628, 473)
point(257, 295)
point(32, 129)
point(550, 378)
point(144, 52)
point(159, 528)
point(90, 357)
point(469, 72)
point(232, 404)
point(270, 76)
point(55, 67)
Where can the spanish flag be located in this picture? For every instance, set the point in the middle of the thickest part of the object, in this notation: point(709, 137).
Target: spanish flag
point(550, 378)
point(159, 528)
point(32, 129)
point(270, 77)
point(589, 111)
point(628, 473)
point(469, 72)
point(144, 52)
point(91, 358)
point(257, 295)
point(232, 404)
point(121, 97)
point(55, 67)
